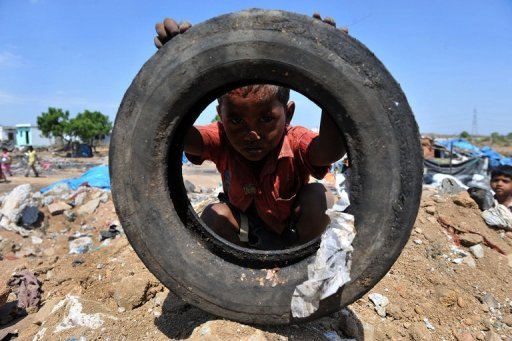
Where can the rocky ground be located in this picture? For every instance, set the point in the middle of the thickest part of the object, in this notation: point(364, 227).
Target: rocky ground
point(451, 282)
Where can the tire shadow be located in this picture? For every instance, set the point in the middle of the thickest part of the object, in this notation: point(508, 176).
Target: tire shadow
point(179, 319)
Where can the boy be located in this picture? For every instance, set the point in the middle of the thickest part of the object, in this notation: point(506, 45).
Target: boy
point(32, 158)
point(501, 184)
point(264, 163)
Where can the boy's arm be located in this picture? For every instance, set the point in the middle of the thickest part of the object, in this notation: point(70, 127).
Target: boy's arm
point(328, 146)
point(193, 142)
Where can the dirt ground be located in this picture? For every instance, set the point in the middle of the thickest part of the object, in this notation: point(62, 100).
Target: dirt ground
point(437, 290)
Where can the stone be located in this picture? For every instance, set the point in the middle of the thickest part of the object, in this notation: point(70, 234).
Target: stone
point(419, 310)
point(58, 207)
point(30, 215)
point(430, 210)
point(89, 207)
point(15, 202)
point(104, 198)
point(45, 311)
point(464, 337)
point(470, 239)
point(450, 186)
point(4, 293)
point(80, 245)
point(463, 199)
point(394, 311)
point(490, 301)
point(461, 302)
point(59, 190)
point(36, 240)
point(507, 320)
point(189, 186)
point(492, 336)
point(419, 332)
point(6, 245)
point(470, 261)
point(80, 198)
point(132, 292)
point(70, 215)
point(47, 200)
point(509, 259)
point(380, 302)
point(477, 251)
point(445, 296)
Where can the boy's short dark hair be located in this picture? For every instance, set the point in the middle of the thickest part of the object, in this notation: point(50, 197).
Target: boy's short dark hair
point(4, 149)
point(504, 170)
point(267, 90)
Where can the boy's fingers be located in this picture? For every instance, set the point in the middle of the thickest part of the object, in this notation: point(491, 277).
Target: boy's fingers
point(185, 25)
point(171, 27)
point(330, 21)
point(157, 42)
point(160, 30)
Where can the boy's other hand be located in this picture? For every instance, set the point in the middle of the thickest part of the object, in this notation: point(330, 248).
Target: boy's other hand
point(167, 29)
point(329, 21)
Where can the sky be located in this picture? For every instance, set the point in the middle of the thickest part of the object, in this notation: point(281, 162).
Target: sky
point(452, 58)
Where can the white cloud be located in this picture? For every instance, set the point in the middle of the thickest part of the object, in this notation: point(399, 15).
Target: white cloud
point(8, 59)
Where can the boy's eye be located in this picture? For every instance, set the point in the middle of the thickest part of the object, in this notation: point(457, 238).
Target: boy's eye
point(235, 120)
point(266, 119)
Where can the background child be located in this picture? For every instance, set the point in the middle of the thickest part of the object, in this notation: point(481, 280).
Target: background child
point(32, 158)
point(265, 165)
point(501, 184)
point(6, 162)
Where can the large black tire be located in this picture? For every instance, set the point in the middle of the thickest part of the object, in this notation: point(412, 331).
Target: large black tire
point(258, 46)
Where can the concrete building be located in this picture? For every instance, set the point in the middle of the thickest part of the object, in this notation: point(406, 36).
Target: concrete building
point(30, 135)
point(7, 133)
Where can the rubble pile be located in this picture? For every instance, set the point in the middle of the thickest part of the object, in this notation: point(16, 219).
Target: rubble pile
point(67, 271)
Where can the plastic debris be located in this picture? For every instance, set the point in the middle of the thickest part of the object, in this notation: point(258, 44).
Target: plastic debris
point(330, 269)
point(498, 216)
point(80, 245)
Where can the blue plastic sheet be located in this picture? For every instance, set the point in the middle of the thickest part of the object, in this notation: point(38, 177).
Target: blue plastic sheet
point(495, 158)
point(94, 177)
point(461, 144)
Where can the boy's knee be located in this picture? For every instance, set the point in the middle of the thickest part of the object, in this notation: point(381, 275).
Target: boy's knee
point(218, 214)
point(316, 195)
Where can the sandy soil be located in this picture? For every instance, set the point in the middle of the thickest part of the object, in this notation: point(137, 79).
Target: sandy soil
point(431, 295)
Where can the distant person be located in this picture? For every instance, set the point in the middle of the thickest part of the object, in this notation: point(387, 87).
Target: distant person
point(6, 162)
point(265, 164)
point(428, 148)
point(501, 184)
point(32, 159)
point(2, 175)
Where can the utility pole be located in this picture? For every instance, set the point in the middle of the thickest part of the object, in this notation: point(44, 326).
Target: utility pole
point(474, 126)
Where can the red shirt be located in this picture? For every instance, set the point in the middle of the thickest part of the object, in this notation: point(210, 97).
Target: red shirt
point(274, 191)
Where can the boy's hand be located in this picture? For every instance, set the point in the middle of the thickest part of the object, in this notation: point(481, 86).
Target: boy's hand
point(167, 29)
point(329, 21)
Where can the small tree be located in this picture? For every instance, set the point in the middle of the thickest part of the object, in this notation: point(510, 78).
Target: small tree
point(89, 124)
point(53, 123)
point(464, 135)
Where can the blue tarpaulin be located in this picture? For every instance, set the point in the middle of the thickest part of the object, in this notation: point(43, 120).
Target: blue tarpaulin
point(495, 158)
point(94, 177)
point(461, 144)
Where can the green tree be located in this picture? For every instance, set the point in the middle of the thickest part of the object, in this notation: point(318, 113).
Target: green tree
point(53, 123)
point(88, 125)
point(216, 119)
point(464, 134)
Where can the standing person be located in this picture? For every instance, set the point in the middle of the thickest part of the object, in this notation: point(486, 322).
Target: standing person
point(6, 162)
point(32, 158)
point(2, 175)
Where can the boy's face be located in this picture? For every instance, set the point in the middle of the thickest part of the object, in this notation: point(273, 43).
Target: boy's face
point(502, 185)
point(254, 125)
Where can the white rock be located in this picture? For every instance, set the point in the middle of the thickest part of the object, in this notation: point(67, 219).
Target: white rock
point(380, 302)
point(477, 251)
point(15, 202)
